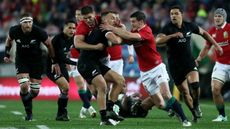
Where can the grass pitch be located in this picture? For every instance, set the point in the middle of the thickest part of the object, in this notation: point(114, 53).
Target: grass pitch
point(44, 112)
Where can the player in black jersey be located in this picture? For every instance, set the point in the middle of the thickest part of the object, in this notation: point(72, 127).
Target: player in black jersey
point(96, 73)
point(177, 35)
point(62, 44)
point(28, 62)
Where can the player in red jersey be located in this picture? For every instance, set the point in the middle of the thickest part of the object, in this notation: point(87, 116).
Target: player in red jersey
point(153, 72)
point(83, 92)
point(221, 71)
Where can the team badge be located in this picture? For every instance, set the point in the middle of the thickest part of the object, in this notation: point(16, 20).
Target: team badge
point(214, 35)
point(225, 34)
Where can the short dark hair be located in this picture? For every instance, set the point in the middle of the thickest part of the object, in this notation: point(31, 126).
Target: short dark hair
point(107, 12)
point(138, 15)
point(70, 21)
point(25, 15)
point(86, 10)
point(176, 7)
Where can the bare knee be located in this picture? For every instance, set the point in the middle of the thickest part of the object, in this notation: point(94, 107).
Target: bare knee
point(80, 82)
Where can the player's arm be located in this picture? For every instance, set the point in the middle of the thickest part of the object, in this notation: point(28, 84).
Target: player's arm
point(114, 39)
point(209, 38)
point(80, 44)
point(161, 38)
point(131, 53)
point(8, 46)
point(203, 53)
point(122, 33)
point(55, 66)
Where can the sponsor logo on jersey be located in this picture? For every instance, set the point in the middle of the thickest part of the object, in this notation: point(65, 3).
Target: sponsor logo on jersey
point(225, 34)
point(94, 72)
point(182, 40)
point(225, 43)
point(214, 35)
point(188, 34)
point(18, 41)
point(33, 41)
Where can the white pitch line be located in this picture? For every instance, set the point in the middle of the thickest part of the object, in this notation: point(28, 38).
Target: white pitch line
point(8, 128)
point(2, 106)
point(16, 113)
point(42, 127)
point(212, 106)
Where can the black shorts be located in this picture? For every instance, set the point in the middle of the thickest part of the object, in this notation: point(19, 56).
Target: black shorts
point(53, 76)
point(35, 70)
point(89, 70)
point(179, 72)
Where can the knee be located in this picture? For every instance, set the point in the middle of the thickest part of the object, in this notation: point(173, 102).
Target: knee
point(35, 88)
point(216, 90)
point(121, 81)
point(161, 105)
point(195, 85)
point(24, 84)
point(80, 83)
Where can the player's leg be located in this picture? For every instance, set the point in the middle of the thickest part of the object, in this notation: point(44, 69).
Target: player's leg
point(193, 80)
point(219, 76)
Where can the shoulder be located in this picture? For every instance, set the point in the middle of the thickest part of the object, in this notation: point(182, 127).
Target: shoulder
point(15, 28)
point(212, 30)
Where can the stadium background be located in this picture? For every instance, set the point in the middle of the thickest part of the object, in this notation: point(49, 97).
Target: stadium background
point(51, 14)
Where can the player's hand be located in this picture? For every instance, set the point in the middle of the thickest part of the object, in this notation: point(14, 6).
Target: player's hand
point(106, 26)
point(178, 35)
point(197, 61)
point(130, 59)
point(219, 50)
point(56, 69)
point(7, 60)
point(99, 46)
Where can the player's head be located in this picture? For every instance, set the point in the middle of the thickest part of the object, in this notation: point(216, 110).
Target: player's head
point(69, 28)
point(220, 17)
point(176, 14)
point(88, 15)
point(78, 15)
point(109, 17)
point(26, 22)
point(137, 20)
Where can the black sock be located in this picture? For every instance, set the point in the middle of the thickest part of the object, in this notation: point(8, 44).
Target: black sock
point(110, 105)
point(103, 115)
point(195, 95)
point(27, 102)
point(62, 104)
point(89, 94)
point(176, 107)
point(221, 110)
point(84, 97)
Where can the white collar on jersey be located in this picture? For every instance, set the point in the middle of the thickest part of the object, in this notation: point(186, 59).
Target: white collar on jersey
point(141, 27)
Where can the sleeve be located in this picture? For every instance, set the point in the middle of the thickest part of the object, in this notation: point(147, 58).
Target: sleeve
point(145, 34)
point(12, 33)
point(42, 35)
point(165, 30)
point(194, 28)
point(81, 29)
point(61, 57)
point(105, 41)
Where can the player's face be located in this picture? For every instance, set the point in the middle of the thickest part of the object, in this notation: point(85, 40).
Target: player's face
point(111, 19)
point(78, 15)
point(69, 29)
point(27, 26)
point(135, 24)
point(89, 19)
point(218, 20)
point(118, 20)
point(176, 16)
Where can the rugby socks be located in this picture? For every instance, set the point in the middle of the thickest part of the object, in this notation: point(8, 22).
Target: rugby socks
point(27, 102)
point(176, 106)
point(89, 94)
point(109, 105)
point(62, 104)
point(103, 115)
point(84, 97)
point(221, 110)
point(195, 93)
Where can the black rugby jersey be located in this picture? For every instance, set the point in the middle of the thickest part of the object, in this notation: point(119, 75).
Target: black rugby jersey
point(95, 36)
point(179, 49)
point(62, 45)
point(28, 44)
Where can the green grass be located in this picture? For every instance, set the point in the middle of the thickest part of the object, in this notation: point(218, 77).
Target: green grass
point(44, 114)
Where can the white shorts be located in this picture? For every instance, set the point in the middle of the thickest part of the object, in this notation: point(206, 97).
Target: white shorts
point(105, 60)
point(117, 66)
point(73, 69)
point(221, 72)
point(152, 79)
